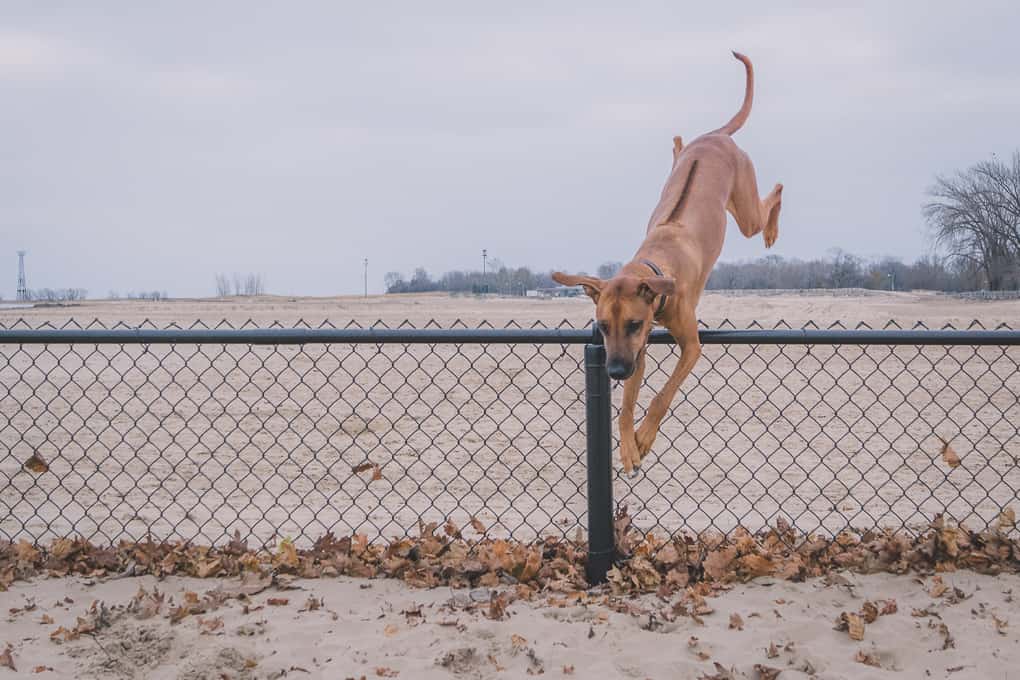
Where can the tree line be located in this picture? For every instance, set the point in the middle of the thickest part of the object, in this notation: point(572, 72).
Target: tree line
point(248, 284)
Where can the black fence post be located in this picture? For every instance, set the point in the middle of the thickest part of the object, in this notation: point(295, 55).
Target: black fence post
point(601, 546)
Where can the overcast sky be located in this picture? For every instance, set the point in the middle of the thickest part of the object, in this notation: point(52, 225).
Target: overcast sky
point(150, 148)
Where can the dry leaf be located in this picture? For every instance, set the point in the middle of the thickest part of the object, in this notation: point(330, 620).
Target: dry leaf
point(46, 619)
point(41, 669)
point(362, 468)
point(772, 652)
point(1001, 625)
point(853, 624)
point(6, 660)
point(947, 639)
point(766, 672)
point(497, 607)
point(866, 659)
point(1007, 519)
point(36, 464)
point(277, 601)
point(948, 455)
point(384, 672)
point(889, 607)
point(568, 670)
point(938, 588)
point(736, 623)
point(390, 630)
point(287, 555)
point(869, 611)
point(717, 563)
point(518, 642)
point(376, 476)
point(209, 626)
point(720, 673)
point(477, 525)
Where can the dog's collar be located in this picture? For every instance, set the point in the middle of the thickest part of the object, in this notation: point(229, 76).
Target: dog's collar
point(658, 272)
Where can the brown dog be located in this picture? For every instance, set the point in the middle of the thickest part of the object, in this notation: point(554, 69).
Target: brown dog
point(664, 281)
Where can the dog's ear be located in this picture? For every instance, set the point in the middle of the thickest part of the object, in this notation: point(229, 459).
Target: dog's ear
point(678, 146)
point(592, 285)
point(653, 286)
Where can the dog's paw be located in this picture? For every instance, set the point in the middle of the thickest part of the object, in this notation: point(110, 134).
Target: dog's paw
point(644, 438)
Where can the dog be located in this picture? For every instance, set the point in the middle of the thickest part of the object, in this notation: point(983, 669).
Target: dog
point(664, 281)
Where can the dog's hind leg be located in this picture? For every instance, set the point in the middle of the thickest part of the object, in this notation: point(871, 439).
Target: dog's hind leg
point(629, 455)
point(752, 214)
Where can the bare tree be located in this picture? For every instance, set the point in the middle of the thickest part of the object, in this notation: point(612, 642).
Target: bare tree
point(222, 285)
point(974, 216)
point(607, 270)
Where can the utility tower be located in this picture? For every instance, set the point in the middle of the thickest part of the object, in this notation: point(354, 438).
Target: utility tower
point(22, 284)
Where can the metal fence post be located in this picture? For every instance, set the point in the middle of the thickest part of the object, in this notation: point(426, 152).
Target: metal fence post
point(601, 546)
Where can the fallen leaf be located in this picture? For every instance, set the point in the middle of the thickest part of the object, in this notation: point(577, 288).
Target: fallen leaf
point(497, 607)
point(869, 611)
point(480, 528)
point(277, 601)
point(390, 630)
point(772, 652)
point(362, 468)
point(41, 669)
point(938, 588)
point(36, 464)
point(6, 660)
point(948, 455)
point(736, 623)
point(209, 626)
point(853, 624)
point(947, 639)
point(866, 659)
point(46, 619)
point(1001, 625)
point(766, 672)
point(1007, 519)
point(568, 670)
point(717, 563)
point(384, 672)
point(889, 607)
point(518, 642)
point(720, 673)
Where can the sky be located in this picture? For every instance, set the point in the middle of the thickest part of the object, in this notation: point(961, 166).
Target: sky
point(147, 147)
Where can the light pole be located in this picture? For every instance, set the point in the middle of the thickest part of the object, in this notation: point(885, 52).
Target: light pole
point(485, 254)
point(892, 281)
point(366, 277)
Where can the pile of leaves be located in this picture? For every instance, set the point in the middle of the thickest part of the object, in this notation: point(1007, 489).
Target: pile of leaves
point(647, 562)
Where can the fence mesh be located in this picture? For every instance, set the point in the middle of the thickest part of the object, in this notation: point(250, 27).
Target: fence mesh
point(198, 441)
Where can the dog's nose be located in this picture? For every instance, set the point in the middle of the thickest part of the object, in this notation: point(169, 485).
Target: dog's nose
point(618, 369)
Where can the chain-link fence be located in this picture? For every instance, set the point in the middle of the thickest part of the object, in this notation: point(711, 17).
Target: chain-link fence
point(200, 433)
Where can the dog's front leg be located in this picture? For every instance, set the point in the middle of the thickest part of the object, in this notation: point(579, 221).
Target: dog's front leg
point(685, 332)
point(629, 455)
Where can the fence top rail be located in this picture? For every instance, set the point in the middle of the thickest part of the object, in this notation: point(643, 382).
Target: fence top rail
point(555, 336)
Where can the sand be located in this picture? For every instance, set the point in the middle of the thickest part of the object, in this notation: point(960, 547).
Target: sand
point(361, 629)
point(198, 442)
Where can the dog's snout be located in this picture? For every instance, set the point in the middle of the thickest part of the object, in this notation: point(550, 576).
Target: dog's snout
point(618, 369)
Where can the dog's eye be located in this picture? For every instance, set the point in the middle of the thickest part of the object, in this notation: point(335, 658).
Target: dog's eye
point(604, 327)
point(633, 327)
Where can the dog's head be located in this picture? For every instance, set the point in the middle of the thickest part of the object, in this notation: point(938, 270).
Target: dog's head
point(624, 310)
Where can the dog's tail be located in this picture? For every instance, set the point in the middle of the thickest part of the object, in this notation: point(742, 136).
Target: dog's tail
point(738, 120)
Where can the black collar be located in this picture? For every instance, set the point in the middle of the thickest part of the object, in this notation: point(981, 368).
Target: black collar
point(658, 272)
